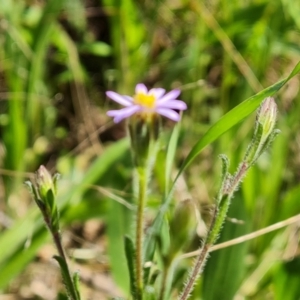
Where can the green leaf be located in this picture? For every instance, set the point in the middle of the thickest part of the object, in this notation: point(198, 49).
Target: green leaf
point(12, 257)
point(67, 279)
point(172, 147)
point(130, 254)
point(286, 274)
point(76, 282)
point(149, 293)
point(41, 42)
point(116, 230)
point(96, 48)
point(229, 120)
point(20, 256)
point(233, 117)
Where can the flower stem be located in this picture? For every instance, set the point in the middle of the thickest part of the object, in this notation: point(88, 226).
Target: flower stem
point(214, 230)
point(202, 257)
point(57, 241)
point(142, 194)
point(73, 293)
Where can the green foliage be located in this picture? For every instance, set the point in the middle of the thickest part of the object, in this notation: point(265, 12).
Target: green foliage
point(56, 60)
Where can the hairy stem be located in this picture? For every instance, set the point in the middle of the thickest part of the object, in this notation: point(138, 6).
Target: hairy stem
point(71, 289)
point(201, 259)
point(57, 242)
point(219, 216)
point(142, 193)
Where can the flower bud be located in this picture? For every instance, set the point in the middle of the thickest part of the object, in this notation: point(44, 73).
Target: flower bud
point(264, 131)
point(267, 115)
point(44, 194)
point(44, 182)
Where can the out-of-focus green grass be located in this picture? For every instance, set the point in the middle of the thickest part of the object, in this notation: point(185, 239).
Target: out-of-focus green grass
point(56, 60)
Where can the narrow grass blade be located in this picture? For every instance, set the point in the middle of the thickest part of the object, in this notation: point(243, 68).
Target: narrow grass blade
point(116, 230)
point(13, 257)
point(130, 253)
point(20, 256)
point(170, 156)
point(229, 120)
point(42, 39)
point(233, 117)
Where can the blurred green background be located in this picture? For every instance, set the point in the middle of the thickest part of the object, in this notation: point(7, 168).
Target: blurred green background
point(57, 59)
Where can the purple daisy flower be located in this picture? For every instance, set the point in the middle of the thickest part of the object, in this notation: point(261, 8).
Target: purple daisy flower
point(154, 101)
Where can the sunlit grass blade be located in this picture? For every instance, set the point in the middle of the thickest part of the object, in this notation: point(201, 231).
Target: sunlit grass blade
point(130, 253)
point(14, 133)
point(116, 230)
point(128, 34)
point(233, 117)
point(66, 45)
point(172, 147)
point(228, 45)
point(11, 240)
point(263, 270)
point(229, 120)
point(42, 39)
point(20, 256)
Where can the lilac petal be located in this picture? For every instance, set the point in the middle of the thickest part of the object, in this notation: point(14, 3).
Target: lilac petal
point(169, 113)
point(123, 113)
point(170, 96)
point(157, 92)
point(113, 113)
point(123, 100)
point(141, 89)
point(128, 98)
point(174, 104)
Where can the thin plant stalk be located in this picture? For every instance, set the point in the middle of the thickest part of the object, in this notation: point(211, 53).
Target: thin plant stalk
point(67, 278)
point(200, 260)
point(72, 292)
point(218, 219)
point(264, 135)
point(44, 192)
point(142, 194)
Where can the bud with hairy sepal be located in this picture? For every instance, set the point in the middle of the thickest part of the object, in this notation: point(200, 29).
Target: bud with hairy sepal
point(264, 133)
point(267, 115)
point(44, 193)
point(44, 182)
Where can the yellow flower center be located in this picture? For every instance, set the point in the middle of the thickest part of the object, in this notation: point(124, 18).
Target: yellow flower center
point(145, 100)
